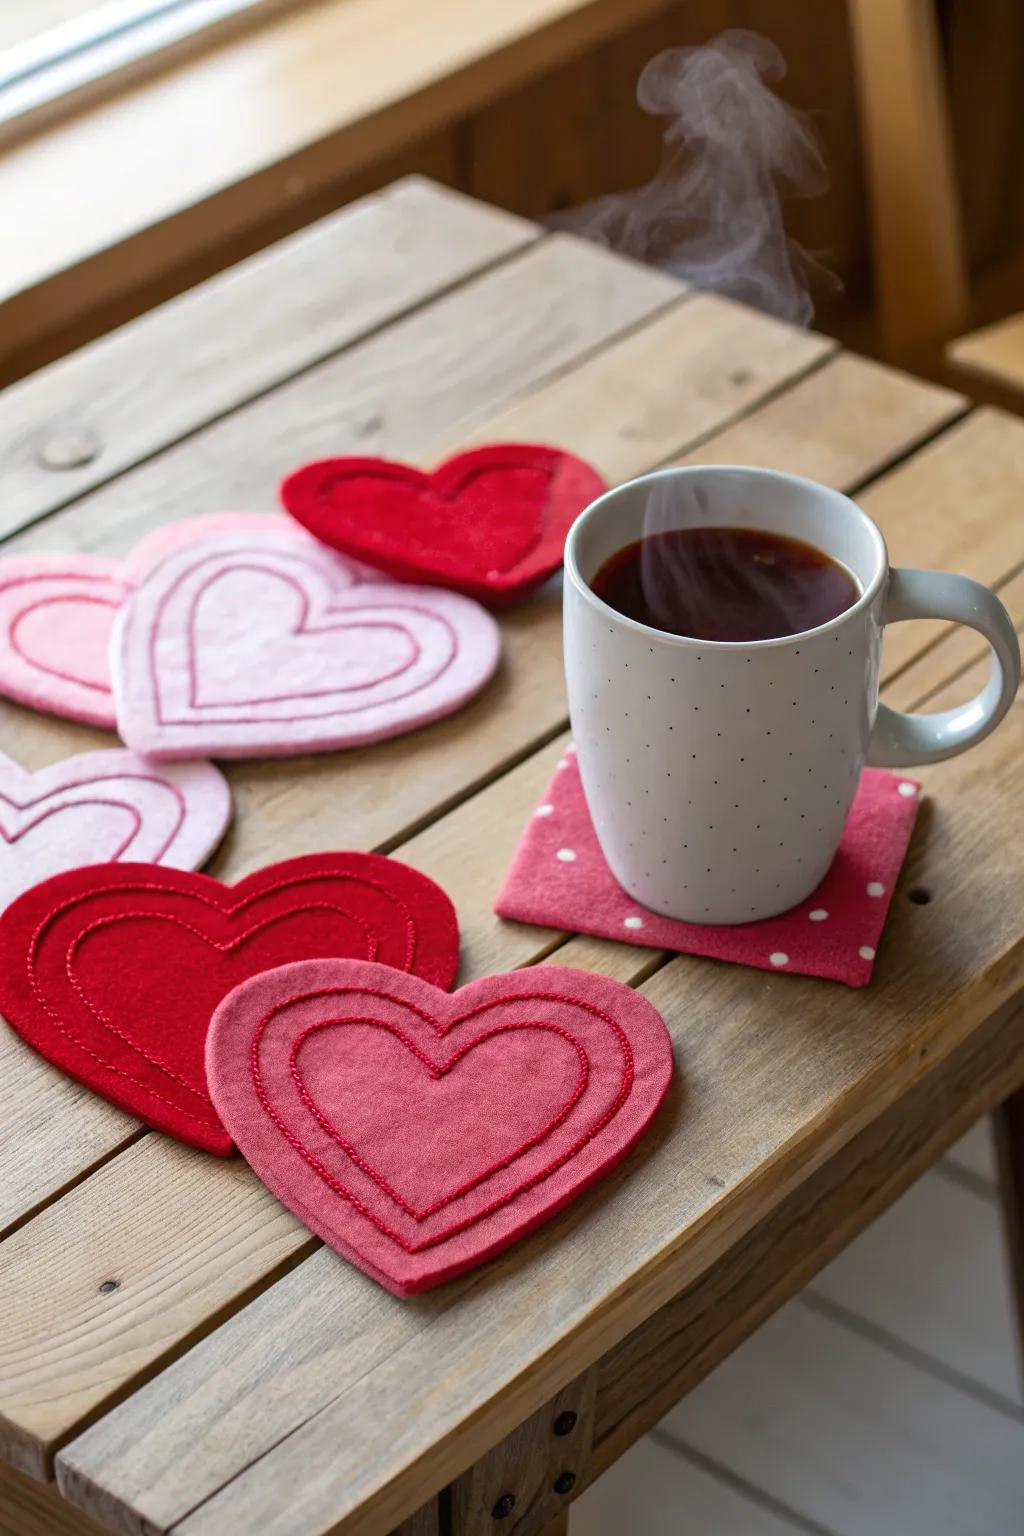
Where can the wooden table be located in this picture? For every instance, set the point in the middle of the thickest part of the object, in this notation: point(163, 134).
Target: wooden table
point(175, 1348)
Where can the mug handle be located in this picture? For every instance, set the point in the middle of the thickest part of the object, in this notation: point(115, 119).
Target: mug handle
point(899, 740)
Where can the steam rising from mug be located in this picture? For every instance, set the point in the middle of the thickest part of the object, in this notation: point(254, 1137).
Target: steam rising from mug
point(712, 214)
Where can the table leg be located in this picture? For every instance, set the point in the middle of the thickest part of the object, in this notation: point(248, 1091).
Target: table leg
point(1009, 1131)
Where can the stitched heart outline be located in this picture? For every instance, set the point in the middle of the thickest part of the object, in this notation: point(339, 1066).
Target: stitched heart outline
point(176, 815)
point(490, 523)
point(242, 607)
point(412, 1236)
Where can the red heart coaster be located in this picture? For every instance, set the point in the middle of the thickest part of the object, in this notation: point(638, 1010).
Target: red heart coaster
point(490, 523)
point(419, 1133)
point(113, 972)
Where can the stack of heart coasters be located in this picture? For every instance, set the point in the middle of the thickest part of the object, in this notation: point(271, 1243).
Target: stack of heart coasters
point(302, 1016)
point(558, 878)
point(113, 972)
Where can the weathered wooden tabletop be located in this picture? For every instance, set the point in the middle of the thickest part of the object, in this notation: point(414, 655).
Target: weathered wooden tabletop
point(174, 1346)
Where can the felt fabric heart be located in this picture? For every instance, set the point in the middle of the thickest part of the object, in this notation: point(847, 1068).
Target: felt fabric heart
point(246, 646)
point(170, 537)
point(57, 612)
point(113, 972)
point(420, 1133)
point(106, 806)
point(56, 617)
point(490, 523)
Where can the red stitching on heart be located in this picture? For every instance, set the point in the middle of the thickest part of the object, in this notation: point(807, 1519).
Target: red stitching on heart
point(437, 1072)
point(45, 602)
point(141, 778)
point(347, 623)
point(346, 1194)
point(228, 911)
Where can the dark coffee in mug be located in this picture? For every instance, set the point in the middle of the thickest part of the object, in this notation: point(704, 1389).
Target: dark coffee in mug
point(737, 584)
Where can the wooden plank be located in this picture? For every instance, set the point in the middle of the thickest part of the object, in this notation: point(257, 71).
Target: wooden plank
point(845, 422)
point(425, 1522)
point(930, 1273)
point(202, 1232)
point(130, 394)
point(526, 1481)
point(672, 383)
point(806, 1401)
point(33, 1161)
point(619, 1253)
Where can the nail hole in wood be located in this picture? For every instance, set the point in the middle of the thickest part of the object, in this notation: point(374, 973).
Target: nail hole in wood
point(919, 896)
point(565, 1482)
point(106, 1286)
point(565, 1423)
point(504, 1506)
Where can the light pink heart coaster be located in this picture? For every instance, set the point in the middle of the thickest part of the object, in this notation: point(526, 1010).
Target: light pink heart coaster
point(169, 538)
point(105, 808)
point(418, 1131)
point(250, 646)
point(56, 617)
point(57, 611)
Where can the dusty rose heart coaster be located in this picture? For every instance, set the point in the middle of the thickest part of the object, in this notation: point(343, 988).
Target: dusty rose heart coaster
point(106, 807)
point(490, 523)
point(113, 972)
point(559, 879)
point(418, 1132)
point(57, 611)
point(247, 646)
point(56, 617)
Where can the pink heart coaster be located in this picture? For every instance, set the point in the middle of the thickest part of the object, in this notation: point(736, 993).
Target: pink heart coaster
point(56, 617)
point(559, 879)
point(171, 537)
point(249, 645)
point(106, 807)
point(57, 611)
point(418, 1132)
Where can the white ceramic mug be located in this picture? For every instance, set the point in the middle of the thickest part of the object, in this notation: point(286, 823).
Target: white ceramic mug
point(719, 774)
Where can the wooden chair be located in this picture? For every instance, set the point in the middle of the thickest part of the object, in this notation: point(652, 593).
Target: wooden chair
point(921, 280)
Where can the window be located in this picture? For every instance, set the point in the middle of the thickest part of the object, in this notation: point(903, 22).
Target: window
point(55, 53)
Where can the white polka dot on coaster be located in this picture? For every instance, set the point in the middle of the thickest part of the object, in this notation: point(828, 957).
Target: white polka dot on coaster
point(559, 879)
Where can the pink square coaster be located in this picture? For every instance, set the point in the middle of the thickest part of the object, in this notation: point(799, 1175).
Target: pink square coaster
point(559, 879)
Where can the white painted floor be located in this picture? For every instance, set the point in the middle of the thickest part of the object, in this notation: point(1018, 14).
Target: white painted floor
point(884, 1401)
